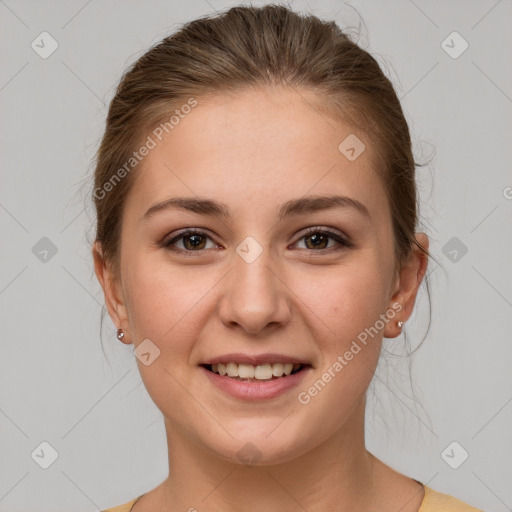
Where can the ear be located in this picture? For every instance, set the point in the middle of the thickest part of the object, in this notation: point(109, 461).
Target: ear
point(112, 291)
point(406, 285)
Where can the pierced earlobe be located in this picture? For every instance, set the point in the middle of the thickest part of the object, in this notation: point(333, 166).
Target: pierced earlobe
point(120, 334)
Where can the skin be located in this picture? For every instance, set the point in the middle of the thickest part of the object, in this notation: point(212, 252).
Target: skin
point(254, 151)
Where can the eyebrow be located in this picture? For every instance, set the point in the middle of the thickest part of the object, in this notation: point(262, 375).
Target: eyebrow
point(300, 206)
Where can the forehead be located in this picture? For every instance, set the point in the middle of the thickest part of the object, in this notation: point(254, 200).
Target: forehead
point(258, 148)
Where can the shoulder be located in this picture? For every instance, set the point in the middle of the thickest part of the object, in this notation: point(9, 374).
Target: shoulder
point(123, 508)
point(434, 501)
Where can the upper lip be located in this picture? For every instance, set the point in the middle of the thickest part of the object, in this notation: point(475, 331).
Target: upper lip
point(255, 360)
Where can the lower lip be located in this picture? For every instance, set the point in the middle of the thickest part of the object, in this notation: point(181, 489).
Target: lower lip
point(255, 390)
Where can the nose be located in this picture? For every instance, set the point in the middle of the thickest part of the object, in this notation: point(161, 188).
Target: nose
point(255, 297)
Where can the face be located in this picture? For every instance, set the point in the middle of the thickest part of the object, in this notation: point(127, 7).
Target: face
point(279, 278)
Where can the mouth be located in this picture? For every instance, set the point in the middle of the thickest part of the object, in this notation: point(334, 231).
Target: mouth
point(255, 373)
point(254, 377)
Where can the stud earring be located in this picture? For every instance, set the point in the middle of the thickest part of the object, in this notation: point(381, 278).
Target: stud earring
point(120, 334)
point(400, 324)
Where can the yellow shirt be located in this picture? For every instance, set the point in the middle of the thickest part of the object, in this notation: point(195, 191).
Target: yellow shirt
point(433, 501)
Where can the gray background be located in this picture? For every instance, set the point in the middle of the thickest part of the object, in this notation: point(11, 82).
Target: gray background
point(57, 386)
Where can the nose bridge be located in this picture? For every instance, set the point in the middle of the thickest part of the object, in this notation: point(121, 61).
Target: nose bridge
point(256, 295)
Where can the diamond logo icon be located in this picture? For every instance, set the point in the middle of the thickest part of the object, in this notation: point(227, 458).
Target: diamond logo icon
point(454, 455)
point(249, 454)
point(44, 250)
point(454, 45)
point(146, 352)
point(249, 249)
point(44, 455)
point(44, 45)
point(454, 249)
point(351, 147)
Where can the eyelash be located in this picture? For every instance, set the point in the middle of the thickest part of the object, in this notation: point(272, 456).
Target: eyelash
point(310, 231)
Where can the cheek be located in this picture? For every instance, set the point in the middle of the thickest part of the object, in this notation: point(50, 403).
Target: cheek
point(157, 310)
point(347, 305)
point(170, 307)
point(342, 301)
point(161, 306)
point(159, 297)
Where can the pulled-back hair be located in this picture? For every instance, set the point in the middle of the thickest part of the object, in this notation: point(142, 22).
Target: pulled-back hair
point(250, 47)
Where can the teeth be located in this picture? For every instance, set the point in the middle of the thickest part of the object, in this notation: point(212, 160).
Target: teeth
point(277, 369)
point(246, 371)
point(263, 372)
point(232, 369)
point(260, 372)
point(287, 368)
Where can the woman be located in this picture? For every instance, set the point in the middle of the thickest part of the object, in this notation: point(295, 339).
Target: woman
point(256, 215)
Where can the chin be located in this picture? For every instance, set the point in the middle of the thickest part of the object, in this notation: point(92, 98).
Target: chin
point(260, 447)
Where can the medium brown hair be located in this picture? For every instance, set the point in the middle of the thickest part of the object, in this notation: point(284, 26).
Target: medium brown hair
point(248, 47)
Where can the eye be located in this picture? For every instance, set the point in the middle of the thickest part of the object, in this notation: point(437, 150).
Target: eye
point(194, 240)
point(317, 237)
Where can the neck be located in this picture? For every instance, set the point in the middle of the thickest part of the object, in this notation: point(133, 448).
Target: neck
point(335, 475)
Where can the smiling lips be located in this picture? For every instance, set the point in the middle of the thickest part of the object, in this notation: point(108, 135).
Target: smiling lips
point(255, 377)
point(265, 371)
point(250, 368)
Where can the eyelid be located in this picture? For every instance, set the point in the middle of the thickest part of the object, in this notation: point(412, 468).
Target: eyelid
point(332, 233)
point(168, 243)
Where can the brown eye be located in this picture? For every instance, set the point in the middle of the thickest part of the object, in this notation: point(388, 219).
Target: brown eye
point(193, 241)
point(318, 239)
